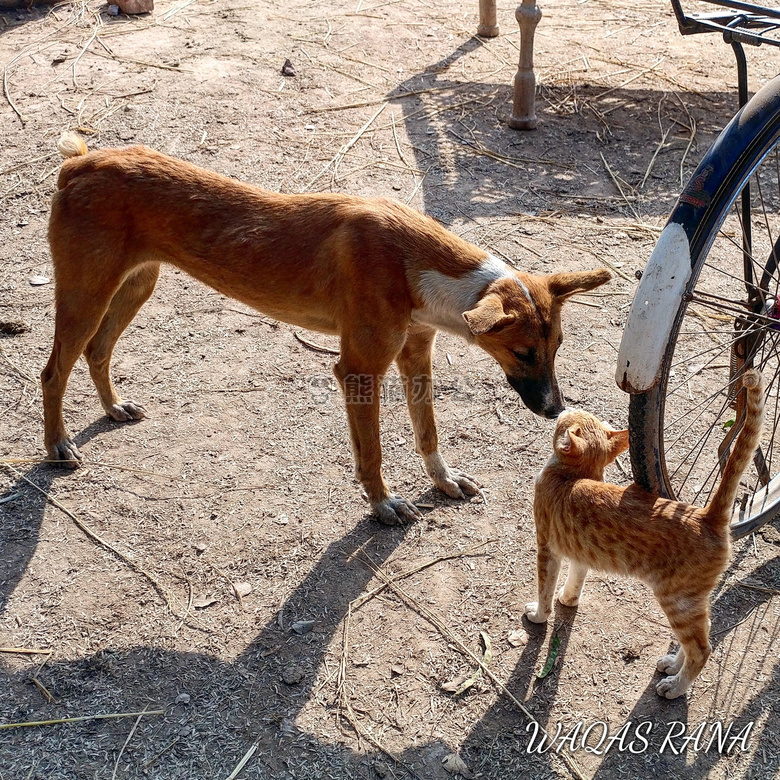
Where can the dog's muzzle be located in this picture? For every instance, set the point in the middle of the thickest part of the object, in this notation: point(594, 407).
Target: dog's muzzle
point(541, 398)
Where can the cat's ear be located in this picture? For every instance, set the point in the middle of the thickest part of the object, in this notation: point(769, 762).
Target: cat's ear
point(570, 444)
point(618, 442)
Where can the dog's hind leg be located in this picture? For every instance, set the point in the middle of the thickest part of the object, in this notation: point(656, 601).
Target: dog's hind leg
point(127, 300)
point(414, 363)
point(82, 302)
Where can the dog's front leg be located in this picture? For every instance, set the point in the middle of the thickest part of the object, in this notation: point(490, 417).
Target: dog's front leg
point(362, 390)
point(415, 364)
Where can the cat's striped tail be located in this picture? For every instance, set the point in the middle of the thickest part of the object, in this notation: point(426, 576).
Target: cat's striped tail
point(719, 509)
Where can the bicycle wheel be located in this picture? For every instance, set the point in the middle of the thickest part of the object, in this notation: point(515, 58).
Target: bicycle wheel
point(726, 320)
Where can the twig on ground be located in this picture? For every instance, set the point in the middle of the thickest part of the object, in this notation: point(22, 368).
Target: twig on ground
point(440, 625)
point(93, 463)
point(81, 53)
point(316, 347)
point(158, 586)
point(230, 582)
point(399, 96)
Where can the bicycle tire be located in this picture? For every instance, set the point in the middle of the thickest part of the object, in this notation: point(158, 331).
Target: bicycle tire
point(736, 157)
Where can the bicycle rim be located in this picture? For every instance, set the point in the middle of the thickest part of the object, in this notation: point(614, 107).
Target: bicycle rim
point(682, 430)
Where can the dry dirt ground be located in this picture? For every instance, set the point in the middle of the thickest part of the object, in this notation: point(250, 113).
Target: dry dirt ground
point(242, 473)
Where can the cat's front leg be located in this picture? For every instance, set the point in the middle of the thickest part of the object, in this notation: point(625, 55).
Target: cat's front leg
point(569, 594)
point(547, 567)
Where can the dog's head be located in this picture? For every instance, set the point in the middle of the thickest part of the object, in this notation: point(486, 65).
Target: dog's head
point(518, 322)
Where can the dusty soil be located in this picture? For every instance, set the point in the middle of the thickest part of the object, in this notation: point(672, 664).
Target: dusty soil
point(242, 473)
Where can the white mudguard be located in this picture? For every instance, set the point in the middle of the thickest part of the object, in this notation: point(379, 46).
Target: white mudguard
point(652, 314)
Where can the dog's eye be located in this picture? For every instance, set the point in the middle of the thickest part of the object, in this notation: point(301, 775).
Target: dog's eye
point(525, 355)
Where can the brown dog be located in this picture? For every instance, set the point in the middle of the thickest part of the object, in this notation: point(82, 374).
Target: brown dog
point(380, 275)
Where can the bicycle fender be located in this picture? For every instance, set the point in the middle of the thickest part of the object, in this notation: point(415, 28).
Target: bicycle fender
point(649, 326)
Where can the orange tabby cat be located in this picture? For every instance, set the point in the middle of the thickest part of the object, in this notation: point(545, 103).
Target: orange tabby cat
point(679, 550)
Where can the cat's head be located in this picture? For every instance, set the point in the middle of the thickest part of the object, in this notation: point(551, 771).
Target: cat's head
point(586, 443)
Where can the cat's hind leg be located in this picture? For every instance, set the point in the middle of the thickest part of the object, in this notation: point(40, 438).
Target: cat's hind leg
point(570, 593)
point(548, 565)
point(671, 663)
point(691, 622)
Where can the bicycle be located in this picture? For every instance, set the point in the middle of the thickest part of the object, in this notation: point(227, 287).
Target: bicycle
point(700, 317)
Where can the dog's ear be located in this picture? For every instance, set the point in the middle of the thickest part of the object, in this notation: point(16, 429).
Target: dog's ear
point(487, 315)
point(564, 285)
point(570, 444)
point(618, 442)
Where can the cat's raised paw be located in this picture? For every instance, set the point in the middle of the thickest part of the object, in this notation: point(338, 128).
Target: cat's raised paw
point(533, 613)
point(671, 687)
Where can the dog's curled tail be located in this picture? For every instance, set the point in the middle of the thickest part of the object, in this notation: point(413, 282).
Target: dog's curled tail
point(719, 509)
point(71, 145)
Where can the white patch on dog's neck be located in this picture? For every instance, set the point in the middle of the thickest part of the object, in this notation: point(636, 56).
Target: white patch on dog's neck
point(447, 297)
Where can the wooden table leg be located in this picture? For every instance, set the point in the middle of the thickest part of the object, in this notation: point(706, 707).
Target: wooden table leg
point(523, 114)
point(488, 25)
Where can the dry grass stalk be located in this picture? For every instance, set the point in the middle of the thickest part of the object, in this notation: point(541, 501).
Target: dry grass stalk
point(616, 182)
point(632, 79)
point(16, 368)
point(168, 14)
point(79, 719)
point(27, 162)
point(398, 145)
point(399, 96)
point(44, 690)
point(339, 156)
point(515, 162)
point(658, 148)
point(416, 189)
point(243, 762)
point(129, 737)
point(25, 651)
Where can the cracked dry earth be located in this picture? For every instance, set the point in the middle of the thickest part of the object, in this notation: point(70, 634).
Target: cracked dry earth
point(240, 480)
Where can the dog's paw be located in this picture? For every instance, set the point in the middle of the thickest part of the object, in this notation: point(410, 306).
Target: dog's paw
point(396, 510)
point(126, 411)
point(670, 664)
point(671, 687)
point(457, 484)
point(65, 453)
point(533, 613)
point(568, 599)
point(453, 482)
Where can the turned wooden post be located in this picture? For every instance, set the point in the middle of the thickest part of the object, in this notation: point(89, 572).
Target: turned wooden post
point(523, 114)
point(488, 25)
